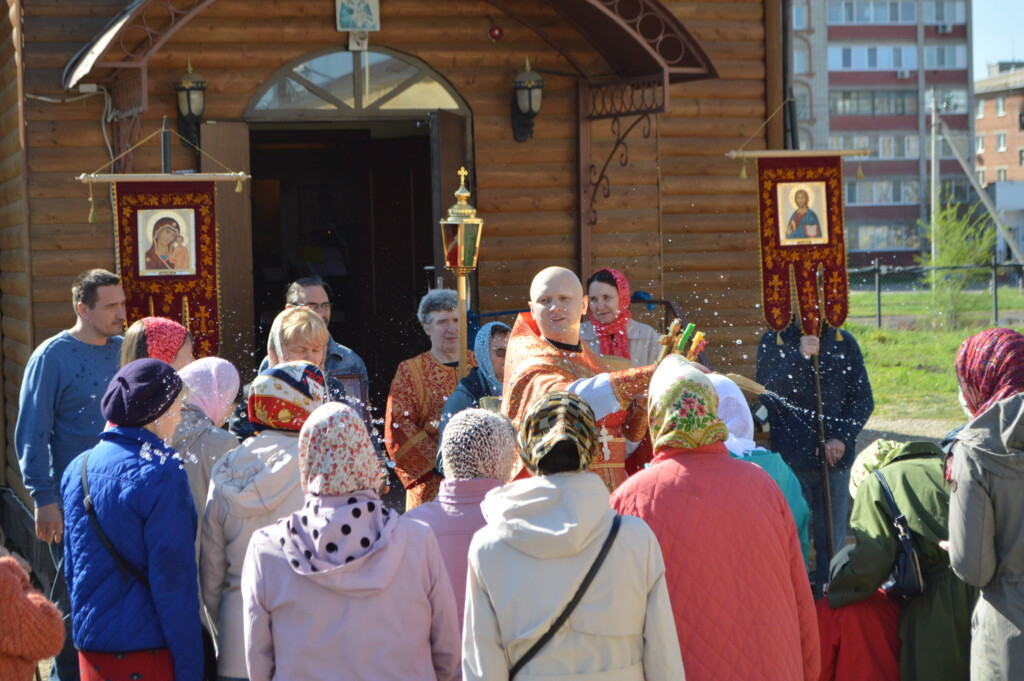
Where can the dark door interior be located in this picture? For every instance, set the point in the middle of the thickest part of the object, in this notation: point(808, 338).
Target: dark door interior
point(355, 207)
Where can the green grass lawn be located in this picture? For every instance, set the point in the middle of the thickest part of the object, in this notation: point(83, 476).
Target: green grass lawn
point(919, 303)
point(912, 372)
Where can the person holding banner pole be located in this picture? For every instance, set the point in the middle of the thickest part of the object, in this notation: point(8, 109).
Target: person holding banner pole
point(807, 375)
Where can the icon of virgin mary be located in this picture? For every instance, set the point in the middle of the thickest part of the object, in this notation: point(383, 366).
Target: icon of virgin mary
point(167, 250)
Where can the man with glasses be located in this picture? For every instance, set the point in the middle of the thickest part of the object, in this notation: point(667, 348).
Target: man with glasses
point(341, 362)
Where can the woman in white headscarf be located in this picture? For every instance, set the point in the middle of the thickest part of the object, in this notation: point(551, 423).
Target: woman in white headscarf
point(734, 411)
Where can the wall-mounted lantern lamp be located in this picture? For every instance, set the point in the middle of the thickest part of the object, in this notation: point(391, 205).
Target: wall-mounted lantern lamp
point(529, 88)
point(191, 89)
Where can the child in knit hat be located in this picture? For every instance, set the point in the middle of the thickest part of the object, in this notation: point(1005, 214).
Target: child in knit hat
point(30, 628)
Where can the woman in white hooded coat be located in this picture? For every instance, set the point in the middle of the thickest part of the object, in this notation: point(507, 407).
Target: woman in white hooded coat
point(542, 536)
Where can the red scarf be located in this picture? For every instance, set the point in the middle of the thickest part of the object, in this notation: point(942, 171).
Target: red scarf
point(612, 337)
point(990, 367)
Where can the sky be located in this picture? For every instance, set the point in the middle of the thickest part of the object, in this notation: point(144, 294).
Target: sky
point(998, 33)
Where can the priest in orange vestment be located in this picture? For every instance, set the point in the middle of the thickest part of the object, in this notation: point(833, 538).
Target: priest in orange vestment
point(545, 353)
point(419, 390)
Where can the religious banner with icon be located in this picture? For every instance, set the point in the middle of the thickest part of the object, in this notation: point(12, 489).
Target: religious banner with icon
point(167, 255)
point(801, 213)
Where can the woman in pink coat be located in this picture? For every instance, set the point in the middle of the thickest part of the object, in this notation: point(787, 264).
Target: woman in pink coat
point(735, 573)
point(478, 449)
point(344, 588)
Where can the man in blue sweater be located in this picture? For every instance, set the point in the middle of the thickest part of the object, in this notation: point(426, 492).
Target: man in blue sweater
point(59, 413)
point(785, 367)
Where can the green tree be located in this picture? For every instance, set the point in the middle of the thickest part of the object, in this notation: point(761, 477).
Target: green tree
point(965, 235)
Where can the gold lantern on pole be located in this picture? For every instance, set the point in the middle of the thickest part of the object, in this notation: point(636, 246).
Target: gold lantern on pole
point(460, 237)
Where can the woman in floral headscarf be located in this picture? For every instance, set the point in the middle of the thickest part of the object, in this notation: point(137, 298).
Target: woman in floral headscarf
point(611, 330)
point(986, 509)
point(749, 567)
point(251, 487)
point(343, 588)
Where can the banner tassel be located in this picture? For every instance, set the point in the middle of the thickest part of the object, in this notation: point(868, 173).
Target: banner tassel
point(92, 206)
point(839, 336)
point(743, 169)
point(238, 185)
point(778, 338)
point(860, 172)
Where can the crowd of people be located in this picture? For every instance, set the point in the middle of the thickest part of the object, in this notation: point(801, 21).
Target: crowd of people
point(576, 506)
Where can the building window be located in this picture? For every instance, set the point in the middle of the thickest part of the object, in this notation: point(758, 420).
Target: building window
point(911, 144)
point(958, 191)
point(1020, 156)
point(800, 60)
point(979, 143)
point(872, 12)
point(945, 56)
point(875, 58)
point(945, 12)
point(1000, 106)
point(1000, 174)
point(951, 100)
point(890, 237)
point(979, 175)
point(873, 102)
point(800, 17)
point(1000, 141)
point(803, 106)
point(882, 192)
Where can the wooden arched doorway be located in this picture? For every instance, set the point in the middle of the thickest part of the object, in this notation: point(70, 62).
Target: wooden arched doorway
point(353, 157)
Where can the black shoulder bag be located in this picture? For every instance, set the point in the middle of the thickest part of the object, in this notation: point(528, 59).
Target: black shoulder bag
point(906, 580)
point(123, 565)
point(584, 585)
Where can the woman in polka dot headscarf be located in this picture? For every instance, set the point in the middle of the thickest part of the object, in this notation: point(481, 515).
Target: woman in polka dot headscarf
point(368, 586)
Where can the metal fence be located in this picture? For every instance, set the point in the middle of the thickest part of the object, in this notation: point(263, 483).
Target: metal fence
point(893, 296)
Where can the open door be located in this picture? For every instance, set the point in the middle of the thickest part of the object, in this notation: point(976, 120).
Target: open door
point(450, 150)
point(228, 142)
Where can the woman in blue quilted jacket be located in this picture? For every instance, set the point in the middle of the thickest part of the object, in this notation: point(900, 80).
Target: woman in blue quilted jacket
point(130, 538)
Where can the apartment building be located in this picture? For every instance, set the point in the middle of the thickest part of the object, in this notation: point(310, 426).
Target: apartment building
point(863, 73)
point(999, 124)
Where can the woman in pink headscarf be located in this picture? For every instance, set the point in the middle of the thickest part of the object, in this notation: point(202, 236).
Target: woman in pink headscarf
point(200, 439)
point(611, 330)
point(366, 586)
point(986, 509)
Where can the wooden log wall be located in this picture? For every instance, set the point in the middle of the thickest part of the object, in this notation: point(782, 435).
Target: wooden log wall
point(14, 295)
point(679, 222)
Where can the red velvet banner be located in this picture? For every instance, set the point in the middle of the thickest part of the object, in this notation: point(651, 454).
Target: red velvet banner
point(167, 255)
point(801, 212)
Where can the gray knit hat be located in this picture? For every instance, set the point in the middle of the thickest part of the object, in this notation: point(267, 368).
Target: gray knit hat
point(478, 443)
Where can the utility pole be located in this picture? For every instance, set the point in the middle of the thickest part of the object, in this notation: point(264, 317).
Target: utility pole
point(935, 176)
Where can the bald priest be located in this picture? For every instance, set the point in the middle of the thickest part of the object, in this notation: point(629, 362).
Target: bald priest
point(545, 354)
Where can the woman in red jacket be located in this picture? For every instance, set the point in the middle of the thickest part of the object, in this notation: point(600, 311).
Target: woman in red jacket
point(735, 573)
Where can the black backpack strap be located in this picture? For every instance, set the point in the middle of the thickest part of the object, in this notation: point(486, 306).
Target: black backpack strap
point(123, 565)
point(584, 585)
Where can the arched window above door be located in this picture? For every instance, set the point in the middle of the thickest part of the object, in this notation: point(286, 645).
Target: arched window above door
point(338, 83)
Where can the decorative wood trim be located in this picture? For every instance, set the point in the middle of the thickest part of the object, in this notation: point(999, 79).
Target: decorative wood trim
point(584, 196)
point(773, 80)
